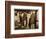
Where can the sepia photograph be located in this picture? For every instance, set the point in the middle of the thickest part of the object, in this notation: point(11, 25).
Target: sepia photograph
point(25, 19)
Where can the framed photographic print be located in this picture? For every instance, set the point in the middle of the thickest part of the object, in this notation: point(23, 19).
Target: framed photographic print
point(24, 19)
